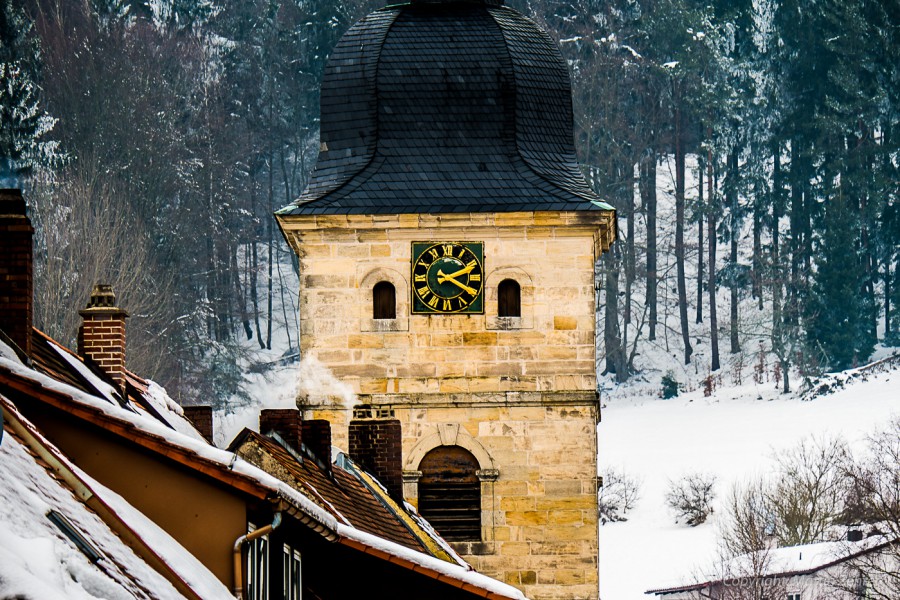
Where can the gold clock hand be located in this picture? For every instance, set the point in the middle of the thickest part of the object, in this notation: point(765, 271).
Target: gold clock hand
point(462, 271)
point(441, 278)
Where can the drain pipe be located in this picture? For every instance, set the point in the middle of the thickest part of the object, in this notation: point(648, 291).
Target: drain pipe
point(238, 544)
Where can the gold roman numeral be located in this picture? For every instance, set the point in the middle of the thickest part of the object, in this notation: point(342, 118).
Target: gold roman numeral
point(475, 277)
point(421, 278)
point(433, 302)
point(446, 305)
point(433, 253)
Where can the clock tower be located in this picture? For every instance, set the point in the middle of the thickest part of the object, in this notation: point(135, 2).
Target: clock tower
point(447, 243)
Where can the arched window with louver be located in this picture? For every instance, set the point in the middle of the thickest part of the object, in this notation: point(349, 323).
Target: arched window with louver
point(450, 493)
point(384, 301)
point(509, 299)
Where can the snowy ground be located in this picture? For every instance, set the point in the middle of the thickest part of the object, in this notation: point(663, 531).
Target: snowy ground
point(732, 434)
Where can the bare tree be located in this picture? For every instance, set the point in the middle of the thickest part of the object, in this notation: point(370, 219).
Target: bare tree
point(618, 494)
point(691, 497)
point(86, 235)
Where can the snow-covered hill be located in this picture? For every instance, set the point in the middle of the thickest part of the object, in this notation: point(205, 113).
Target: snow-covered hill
point(732, 434)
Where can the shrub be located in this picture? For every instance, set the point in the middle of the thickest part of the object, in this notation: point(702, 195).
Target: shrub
point(691, 497)
point(618, 494)
point(670, 387)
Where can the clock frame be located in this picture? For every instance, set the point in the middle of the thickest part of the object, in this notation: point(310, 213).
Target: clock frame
point(447, 278)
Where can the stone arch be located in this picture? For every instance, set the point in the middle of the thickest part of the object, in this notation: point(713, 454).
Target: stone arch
point(367, 282)
point(450, 434)
point(526, 289)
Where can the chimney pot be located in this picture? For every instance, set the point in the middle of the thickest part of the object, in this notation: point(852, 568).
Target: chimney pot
point(101, 336)
point(16, 291)
point(375, 443)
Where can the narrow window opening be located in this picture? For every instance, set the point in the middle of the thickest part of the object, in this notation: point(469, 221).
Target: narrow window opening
point(293, 582)
point(384, 301)
point(450, 493)
point(509, 299)
point(257, 567)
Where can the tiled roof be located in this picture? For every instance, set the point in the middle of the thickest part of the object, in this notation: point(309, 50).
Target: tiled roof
point(343, 495)
point(436, 107)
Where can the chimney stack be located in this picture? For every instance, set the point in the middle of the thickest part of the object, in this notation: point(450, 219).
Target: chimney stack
point(375, 443)
point(286, 422)
point(101, 336)
point(201, 417)
point(317, 439)
point(16, 292)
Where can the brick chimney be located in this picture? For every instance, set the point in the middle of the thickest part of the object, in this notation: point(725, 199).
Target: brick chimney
point(375, 443)
point(286, 422)
point(317, 439)
point(201, 417)
point(16, 292)
point(101, 336)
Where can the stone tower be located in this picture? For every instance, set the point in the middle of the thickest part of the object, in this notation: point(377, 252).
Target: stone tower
point(447, 243)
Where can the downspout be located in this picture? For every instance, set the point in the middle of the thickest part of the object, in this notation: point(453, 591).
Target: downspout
point(238, 544)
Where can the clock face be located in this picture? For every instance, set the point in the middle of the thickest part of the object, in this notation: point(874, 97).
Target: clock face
point(448, 277)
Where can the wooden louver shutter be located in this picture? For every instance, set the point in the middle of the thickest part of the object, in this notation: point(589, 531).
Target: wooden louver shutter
point(384, 300)
point(450, 493)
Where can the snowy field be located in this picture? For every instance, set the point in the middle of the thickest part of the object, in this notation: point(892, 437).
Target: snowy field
point(732, 434)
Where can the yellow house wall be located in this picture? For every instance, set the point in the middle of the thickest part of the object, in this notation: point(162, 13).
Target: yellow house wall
point(518, 392)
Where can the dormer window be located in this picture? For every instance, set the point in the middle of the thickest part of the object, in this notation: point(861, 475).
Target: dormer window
point(509, 299)
point(384, 301)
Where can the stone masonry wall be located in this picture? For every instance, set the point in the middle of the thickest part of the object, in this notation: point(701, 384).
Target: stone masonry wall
point(518, 393)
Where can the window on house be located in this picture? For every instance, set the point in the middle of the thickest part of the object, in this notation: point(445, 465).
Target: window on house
point(794, 596)
point(293, 584)
point(450, 493)
point(258, 567)
point(509, 299)
point(384, 301)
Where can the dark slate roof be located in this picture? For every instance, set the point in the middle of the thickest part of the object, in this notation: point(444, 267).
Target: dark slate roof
point(446, 106)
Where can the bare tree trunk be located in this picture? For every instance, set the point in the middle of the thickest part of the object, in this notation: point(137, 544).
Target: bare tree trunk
point(239, 295)
point(679, 237)
point(711, 235)
point(615, 353)
point(757, 254)
point(271, 257)
point(700, 227)
point(733, 206)
point(648, 200)
point(775, 269)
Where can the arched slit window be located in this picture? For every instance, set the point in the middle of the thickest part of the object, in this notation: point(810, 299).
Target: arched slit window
point(450, 493)
point(509, 299)
point(384, 301)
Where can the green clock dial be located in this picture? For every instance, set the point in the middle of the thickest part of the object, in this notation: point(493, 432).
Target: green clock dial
point(448, 277)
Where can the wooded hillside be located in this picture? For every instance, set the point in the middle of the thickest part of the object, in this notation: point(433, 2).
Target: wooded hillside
point(156, 137)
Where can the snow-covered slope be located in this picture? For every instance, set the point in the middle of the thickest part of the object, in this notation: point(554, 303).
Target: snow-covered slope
point(732, 434)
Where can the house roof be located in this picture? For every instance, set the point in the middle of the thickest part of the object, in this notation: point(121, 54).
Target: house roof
point(353, 497)
point(53, 545)
point(789, 561)
point(442, 106)
point(18, 380)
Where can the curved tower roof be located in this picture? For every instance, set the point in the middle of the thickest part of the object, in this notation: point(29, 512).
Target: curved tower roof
point(445, 106)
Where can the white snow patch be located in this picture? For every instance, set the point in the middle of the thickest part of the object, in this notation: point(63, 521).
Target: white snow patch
point(108, 391)
point(732, 434)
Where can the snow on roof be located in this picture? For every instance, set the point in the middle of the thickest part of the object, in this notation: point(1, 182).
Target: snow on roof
point(230, 461)
point(38, 561)
point(170, 410)
point(109, 392)
point(784, 562)
point(454, 571)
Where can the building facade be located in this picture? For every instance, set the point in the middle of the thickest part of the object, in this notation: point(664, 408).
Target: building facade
point(447, 244)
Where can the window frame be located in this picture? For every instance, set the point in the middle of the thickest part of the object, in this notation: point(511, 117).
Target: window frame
point(384, 300)
point(509, 291)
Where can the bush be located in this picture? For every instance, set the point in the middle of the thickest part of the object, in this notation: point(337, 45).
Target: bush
point(618, 494)
point(670, 387)
point(691, 497)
